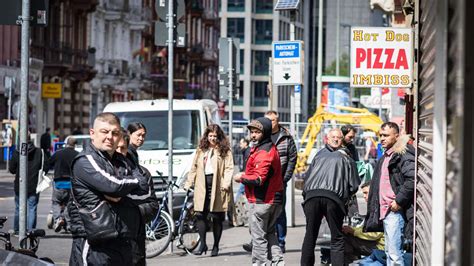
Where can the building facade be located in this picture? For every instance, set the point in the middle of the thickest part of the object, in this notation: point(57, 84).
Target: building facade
point(195, 64)
point(257, 25)
point(61, 51)
point(116, 36)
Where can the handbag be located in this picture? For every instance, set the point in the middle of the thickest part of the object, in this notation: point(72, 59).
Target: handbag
point(99, 223)
point(44, 181)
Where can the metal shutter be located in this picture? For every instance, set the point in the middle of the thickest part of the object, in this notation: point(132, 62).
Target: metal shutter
point(455, 111)
point(426, 90)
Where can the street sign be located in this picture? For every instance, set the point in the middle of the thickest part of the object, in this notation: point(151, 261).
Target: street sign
point(51, 90)
point(287, 62)
point(381, 57)
point(11, 10)
point(298, 99)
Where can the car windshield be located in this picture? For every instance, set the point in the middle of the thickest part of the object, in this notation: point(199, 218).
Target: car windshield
point(186, 128)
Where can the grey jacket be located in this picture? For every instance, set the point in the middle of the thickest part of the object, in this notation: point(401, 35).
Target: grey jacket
point(332, 174)
point(287, 151)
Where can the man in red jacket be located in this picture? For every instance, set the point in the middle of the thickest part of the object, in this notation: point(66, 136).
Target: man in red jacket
point(264, 191)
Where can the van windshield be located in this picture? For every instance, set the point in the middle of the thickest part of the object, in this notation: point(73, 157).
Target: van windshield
point(186, 128)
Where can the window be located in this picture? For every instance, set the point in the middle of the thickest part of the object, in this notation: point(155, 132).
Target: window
point(236, 28)
point(264, 6)
point(255, 115)
point(242, 52)
point(235, 5)
point(264, 31)
point(186, 129)
point(260, 59)
point(259, 95)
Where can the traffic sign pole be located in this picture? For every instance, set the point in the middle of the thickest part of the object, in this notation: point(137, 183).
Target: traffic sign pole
point(231, 89)
point(170, 107)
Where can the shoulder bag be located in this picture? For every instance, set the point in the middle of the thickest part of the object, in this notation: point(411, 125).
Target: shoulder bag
point(44, 181)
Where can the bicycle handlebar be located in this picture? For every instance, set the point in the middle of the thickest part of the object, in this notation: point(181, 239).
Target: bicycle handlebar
point(166, 181)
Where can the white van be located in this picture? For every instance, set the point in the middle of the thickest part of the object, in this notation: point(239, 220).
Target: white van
point(190, 119)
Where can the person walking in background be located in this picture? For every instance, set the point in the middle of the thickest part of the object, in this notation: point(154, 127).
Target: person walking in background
point(61, 162)
point(349, 132)
point(390, 205)
point(264, 191)
point(211, 176)
point(36, 158)
point(45, 142)
point(245, 150)
point(330, 181)
point(137, 133)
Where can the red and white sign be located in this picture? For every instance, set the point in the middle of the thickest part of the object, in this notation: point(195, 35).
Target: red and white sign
point(381, 57)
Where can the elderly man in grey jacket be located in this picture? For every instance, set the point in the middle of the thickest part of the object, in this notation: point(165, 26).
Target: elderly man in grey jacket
point(330, 181)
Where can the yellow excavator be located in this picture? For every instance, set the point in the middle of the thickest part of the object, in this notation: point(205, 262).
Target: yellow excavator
point(350, 115)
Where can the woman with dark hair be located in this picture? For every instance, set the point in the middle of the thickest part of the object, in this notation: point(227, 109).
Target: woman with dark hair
point(211, 175)
point(137, 133)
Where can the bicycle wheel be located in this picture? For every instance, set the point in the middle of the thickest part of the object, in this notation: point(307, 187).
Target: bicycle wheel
point(188, 231)
point(157, 240)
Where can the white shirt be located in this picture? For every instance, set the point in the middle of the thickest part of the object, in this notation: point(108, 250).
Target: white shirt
point(208, 170)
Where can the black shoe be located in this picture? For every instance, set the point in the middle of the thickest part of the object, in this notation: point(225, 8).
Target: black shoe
point(215, 251)
point(247, 247)
point(202, 249)
point(283, 249)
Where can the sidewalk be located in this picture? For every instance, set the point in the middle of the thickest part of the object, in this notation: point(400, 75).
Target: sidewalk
point(231, 252)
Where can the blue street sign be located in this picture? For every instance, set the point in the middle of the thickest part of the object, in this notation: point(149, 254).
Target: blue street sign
point(286, 50)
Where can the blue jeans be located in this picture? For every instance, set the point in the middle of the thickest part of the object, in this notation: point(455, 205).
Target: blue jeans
point(281, 222)
point(32, 203)
point(393, 230)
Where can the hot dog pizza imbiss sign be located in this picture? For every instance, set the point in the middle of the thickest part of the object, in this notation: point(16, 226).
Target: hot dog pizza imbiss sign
point(381, 57)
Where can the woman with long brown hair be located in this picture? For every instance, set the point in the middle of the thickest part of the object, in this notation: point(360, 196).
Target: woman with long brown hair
point(211, 175)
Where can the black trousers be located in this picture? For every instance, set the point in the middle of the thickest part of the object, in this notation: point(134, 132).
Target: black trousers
point(315, 209)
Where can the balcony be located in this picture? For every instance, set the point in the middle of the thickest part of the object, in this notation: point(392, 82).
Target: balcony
point(197, 8)
point(196, 51)
point(210, 17)
point(210, 54)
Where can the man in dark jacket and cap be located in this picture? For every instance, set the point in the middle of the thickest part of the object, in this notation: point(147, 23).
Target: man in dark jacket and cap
point(390, 205)
point(330, 181)
point(263, 188)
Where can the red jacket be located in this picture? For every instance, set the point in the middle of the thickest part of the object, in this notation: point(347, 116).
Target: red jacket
point(263, 179)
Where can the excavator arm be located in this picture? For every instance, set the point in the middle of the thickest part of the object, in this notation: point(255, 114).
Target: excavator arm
point(364, 117)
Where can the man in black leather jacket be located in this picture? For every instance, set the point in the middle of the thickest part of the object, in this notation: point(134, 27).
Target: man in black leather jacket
point(100, 173)
point(330, 181)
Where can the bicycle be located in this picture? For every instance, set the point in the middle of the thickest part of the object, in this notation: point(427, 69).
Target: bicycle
point(161, 230)
point(28, 245)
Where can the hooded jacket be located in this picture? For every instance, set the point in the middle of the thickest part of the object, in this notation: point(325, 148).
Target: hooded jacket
point(332, 174)
point(34, 165)
point(401, 170)
point(287, 150)
point(262, 178)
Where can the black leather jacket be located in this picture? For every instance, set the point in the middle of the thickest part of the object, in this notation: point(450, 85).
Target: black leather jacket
point(96, 174)
point(332, 174)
